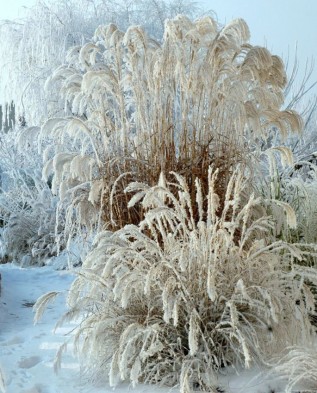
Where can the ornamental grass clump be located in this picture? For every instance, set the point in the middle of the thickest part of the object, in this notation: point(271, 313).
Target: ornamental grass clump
point(204, 96)
point(298, 366)
point(174, 299)
point(187, 274)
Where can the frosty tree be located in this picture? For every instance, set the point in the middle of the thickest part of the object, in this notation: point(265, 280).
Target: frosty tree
point(31, 48)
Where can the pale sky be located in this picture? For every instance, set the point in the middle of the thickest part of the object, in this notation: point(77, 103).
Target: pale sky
point(11, 9)
point(277, 24)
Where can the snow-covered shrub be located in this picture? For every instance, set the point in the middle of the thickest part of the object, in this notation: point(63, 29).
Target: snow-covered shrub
point(27, 205)
point(294, 183)
point(204, 96)
point(299, 190)
point(174, 299)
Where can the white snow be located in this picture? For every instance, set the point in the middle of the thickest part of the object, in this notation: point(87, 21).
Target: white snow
point(27, 351)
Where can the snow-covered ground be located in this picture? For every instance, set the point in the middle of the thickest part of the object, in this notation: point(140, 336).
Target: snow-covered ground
point(27, 351)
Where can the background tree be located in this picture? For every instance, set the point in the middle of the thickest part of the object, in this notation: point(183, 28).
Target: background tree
point(34, 46)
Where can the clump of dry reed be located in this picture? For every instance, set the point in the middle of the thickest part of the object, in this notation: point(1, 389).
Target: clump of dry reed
point(176, 298)
point(202, 97)
point(189, 276)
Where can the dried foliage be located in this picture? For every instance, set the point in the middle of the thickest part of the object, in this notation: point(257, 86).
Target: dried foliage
point(204, 96)
point(190, 270)
point(299, 367)
point(293, 184)
point(173, 300)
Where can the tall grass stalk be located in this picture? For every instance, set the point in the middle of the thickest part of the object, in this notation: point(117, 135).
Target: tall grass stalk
point(204, 96)
point(175, 299)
